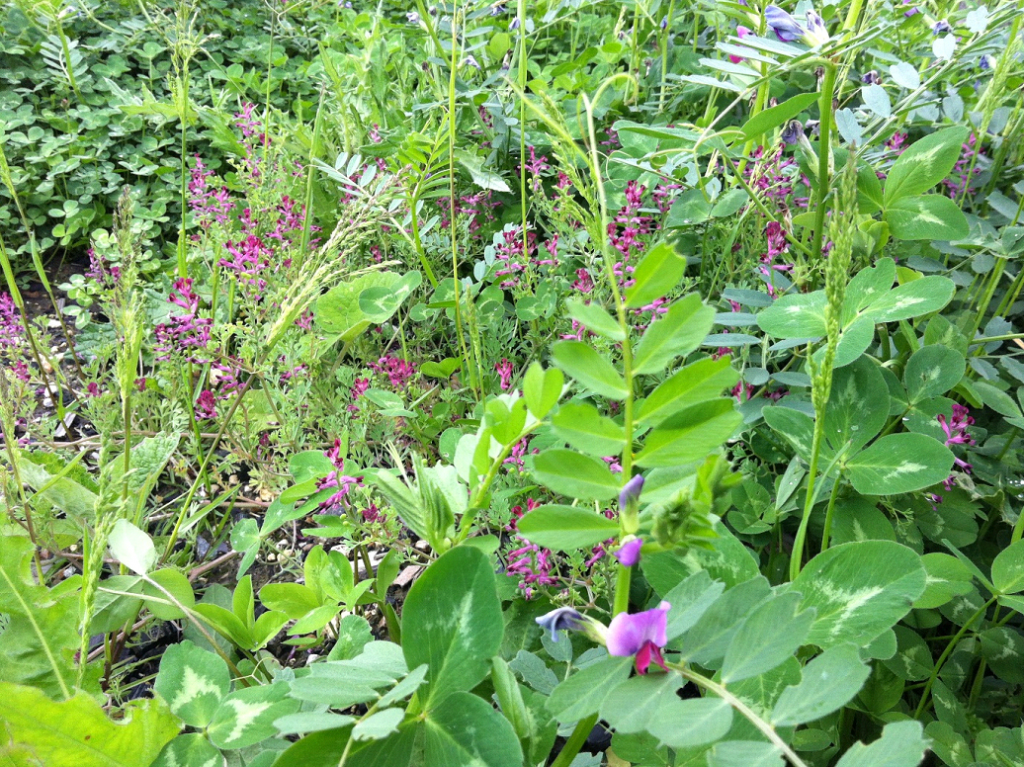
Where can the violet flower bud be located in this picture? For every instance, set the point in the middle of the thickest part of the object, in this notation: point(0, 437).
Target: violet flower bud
point(514, 24)
point(641, 634)
point(941, 26)
point(785, 27)
point(412, 17)
point(871, 78)
point(792, 133)
point(816, 33)
point(664, 23)
point(628, 553)
point(986, 62)
point(631, 491)
point(561, 619)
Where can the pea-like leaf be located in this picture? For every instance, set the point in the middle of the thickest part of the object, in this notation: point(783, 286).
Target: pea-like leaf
point(589, 368)
point(655, 276)
point(564, 528)
point(573, 475)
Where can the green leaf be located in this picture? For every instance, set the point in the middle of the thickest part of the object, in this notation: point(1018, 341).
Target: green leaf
point(174, 583)
point(948, 578)
point(932, 371)
point(191, 749)
point(465, 729)
point(902, 745)
point(699, 382)
point(40, 640)
point(996, 399)
point(575, 475)
point(337, 310)
point(132, 547)
point(768, 637)
point(193, 682)
point(745, 753)
point(829, 682)
point(795, 315)
point(585, 429)
point(655, 276)
point(796, 426)
point(584, 693)
point(589, 368)
point(542, 389)
point(454, 614)
point(860, 590)
point(691, 433)
point(380, 302)
point(773, 117)
point(292, 599)
point(858, 406)
point(311, 721)
point(672, 335)
point(730, 203)
point(378, 725)
point(924, 164)
point(927, 217)
point(690, 600)
point(912, 299)
point(595, 319)
point(78, 732)
point(564, 528)
point(247, 716)
point(900, 463)
point(692, 722)
point(636, 702)
point(868, 286)
point(1008, 569)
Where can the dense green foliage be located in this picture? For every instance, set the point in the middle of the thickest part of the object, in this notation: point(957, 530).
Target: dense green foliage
point(511, 384)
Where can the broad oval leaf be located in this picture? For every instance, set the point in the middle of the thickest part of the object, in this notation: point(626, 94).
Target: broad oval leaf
point(768, 637)
point(829, 682)
point(192, 681)
point(900, 463)
point(699, 382)
point(690, 434)
point(674, 334)
point(542, 389)
point(1008, 569)
point(655, 276)
point(927, 217)
point(564, 528)
point(574, 475)
point(583, 693)
point(465, 729)
point(860, 590)
point(247, 716)
point(454, 614)
point(932, 371)
point(925, 163)
point(797, 315)
point(585, 429)
point(589, 368)
point(595, 319)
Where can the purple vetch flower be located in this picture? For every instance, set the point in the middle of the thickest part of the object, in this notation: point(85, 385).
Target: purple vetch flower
point(412, 17)
point(816, 33)
point(628, 553)
point(631, 491)
point(640, 634)
point(986, 62)
point(939, 27)
point(913, 11)
point(561, 619)
point(793, 132)
point(664, 22)
point(871, 78)
point(785, 27)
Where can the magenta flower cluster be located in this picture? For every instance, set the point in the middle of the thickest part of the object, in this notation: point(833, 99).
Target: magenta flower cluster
point(186, 333)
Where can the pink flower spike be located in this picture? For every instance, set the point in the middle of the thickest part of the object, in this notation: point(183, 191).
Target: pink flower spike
point(640, 634)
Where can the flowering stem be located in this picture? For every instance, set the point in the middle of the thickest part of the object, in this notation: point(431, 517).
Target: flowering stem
point(828, 86)
point(766, 729)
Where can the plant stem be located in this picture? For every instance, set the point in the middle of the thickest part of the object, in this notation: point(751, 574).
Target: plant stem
point(824, 156)
point(766, 729)
point(827, 532)
point(576, 740)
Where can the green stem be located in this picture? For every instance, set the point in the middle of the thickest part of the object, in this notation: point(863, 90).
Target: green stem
point(827, 532)
point(576, 740)
point(720, 690)
point(824, 156)
point(946, 653)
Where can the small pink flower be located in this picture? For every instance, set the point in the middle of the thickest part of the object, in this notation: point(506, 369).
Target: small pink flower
point(640, 634)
